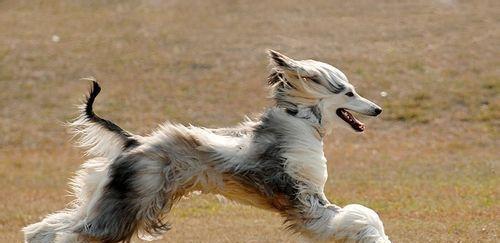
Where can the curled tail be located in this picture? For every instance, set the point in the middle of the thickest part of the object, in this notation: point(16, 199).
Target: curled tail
point(99, 136)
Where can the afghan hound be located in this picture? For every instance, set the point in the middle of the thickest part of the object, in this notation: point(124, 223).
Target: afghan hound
point(275, 162)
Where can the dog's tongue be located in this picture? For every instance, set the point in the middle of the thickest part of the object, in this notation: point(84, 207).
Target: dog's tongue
point(349, 118)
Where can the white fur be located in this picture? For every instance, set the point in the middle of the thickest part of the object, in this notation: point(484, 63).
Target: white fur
point(235, 162)
point(95, 139)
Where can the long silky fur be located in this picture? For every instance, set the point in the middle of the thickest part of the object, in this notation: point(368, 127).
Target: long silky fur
point(275, 162)
point(97, 136)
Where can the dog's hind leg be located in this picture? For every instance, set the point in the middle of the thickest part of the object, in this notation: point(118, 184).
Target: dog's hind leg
point(132, 200)
point(50, 229)
point(57, 227)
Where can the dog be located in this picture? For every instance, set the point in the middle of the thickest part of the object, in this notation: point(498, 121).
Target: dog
point(275, 162)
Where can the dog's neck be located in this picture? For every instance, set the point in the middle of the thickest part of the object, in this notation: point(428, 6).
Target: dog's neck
point(307, 118)
point(310, 114)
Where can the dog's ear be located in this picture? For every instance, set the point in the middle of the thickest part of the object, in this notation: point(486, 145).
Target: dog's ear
point(281, 61)
point(285, 63)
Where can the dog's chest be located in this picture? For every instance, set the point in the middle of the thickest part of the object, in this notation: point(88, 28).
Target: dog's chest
point(306, 162)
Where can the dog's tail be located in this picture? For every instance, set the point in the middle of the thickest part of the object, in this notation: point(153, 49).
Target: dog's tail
point(100, 137)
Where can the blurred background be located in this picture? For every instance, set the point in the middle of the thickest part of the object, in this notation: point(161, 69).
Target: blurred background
point(428, 165)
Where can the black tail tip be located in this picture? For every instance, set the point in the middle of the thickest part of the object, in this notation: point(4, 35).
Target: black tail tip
point(95, 89)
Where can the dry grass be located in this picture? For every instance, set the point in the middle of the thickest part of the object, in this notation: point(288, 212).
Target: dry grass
point(429, 166)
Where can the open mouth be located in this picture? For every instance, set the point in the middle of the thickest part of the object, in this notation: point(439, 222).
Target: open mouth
point(350, 119)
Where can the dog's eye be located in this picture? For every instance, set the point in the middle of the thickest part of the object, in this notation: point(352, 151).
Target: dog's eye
point(350, 94)
point(315, 79)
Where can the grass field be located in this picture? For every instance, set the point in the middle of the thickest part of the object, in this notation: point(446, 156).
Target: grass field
point(429, 165)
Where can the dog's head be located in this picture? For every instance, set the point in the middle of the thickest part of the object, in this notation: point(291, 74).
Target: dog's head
point(309, 83)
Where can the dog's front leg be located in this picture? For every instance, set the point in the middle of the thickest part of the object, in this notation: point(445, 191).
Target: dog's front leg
point(319, 220)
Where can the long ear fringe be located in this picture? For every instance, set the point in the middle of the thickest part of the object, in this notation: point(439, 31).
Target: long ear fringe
point(275, 77)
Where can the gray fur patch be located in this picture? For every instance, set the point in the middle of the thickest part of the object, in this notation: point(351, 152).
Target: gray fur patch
point(121, 207)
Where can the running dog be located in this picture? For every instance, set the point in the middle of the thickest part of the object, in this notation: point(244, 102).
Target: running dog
point(275, 162)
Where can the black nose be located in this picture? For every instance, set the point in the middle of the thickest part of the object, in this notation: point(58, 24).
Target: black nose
point(378, 111)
